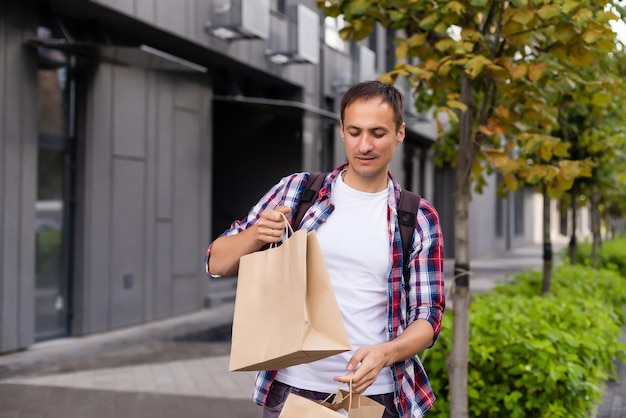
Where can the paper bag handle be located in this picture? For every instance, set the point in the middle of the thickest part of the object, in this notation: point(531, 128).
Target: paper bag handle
point(349, 397)
point(287, 229)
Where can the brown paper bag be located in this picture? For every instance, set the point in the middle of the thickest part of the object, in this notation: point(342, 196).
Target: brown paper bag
point(344, 404)
point(285, 308)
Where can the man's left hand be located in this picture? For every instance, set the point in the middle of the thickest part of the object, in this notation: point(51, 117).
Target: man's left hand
point(364, 366)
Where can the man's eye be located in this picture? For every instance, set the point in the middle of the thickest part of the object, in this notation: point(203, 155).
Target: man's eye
point(354, 134)
point(378, 134)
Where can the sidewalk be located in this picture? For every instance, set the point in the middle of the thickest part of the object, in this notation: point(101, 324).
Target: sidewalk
point(178, 367)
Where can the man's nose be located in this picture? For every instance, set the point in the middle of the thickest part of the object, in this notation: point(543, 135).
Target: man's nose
point(365, 143)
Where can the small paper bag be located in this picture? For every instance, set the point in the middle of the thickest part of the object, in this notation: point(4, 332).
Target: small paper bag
point(344, 404)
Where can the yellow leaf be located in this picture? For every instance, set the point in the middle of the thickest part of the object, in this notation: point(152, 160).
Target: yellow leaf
point(495, 126)
point(530, 143)
point(471, 35)
point(496, 158)
point(497, 72)
point(564, 32)
point(579, 54)
point(429, 21)
point(548, 11)
point(559, 51)
point(485, 130)
point(561, 148)
point(551, 172)
point(417, 40)
point(444, 67)
point(591, 36)
point(431, 65)
point(522, 16)
point(454, 7)
point(569, 169)
point(466, 47)
point(455, 104)
point(475, 65)
point(440, 127)
point(605, 44)
point(536, 173)
point(402, 49)
point(582, 15)
point(444, 44)
point(605, 16)
point(510, 181)
point(545, 152)
point(563, 184)
point(519, 71)
point(388, 78)
point(535, 71)
point(601, 99)
point(503, 112)
point(569, 5)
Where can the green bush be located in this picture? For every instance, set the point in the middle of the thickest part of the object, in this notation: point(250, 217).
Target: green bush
point(573, 282)
point(612, 255)
point(536, 356)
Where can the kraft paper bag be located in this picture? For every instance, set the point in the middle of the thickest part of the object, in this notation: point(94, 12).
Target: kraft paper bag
point(286, 312)
point(343, 405)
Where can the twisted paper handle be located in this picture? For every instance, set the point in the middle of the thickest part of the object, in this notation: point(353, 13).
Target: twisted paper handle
point(287, 231)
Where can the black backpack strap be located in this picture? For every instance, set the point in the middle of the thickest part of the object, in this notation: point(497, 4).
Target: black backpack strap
point(308, 196)
point(407, 215)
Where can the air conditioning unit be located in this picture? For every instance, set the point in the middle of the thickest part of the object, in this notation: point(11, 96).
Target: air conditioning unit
point(298, 41)
point(239, 19)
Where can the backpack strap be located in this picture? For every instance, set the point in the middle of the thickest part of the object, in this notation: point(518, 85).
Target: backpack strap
point(308, 196)
point(407, 215)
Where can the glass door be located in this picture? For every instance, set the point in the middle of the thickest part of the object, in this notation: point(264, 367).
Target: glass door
point(53, 217)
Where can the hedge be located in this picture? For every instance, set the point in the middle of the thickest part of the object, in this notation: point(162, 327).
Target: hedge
point(537, 356)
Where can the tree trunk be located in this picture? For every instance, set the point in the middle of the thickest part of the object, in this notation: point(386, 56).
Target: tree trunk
point(547, 244)
point(458, 359)
point(595, 227)
point(572, 243)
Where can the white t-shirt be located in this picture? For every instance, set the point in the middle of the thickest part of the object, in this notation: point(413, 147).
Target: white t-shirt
point(355, 243)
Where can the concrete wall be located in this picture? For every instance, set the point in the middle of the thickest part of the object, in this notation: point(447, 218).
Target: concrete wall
point(482, 215)
point(186, 18)
point(18, 166)
point(144, 222)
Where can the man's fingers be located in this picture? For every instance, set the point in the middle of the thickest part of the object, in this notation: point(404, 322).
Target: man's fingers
point(286, 210)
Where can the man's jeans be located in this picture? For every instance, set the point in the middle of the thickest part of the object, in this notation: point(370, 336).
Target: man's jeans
point(279, 391)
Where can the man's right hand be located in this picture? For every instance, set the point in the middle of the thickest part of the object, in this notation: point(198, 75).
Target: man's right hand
point(271, 225)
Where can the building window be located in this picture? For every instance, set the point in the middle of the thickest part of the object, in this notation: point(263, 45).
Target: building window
point(53, 223)
point(331, 35)
point(518, 208)
point(563, 221)
point(278, 6)
point(499, 218)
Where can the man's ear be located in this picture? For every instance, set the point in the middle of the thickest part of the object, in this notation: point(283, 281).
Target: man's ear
point(401, 133)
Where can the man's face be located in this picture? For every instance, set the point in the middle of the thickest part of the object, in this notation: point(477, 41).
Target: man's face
point(369, 135)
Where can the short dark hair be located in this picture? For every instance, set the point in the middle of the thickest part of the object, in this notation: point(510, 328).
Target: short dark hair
point(367, 90)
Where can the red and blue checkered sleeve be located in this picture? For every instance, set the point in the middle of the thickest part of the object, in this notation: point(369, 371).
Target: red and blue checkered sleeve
point(284, 193)
point(427, 300)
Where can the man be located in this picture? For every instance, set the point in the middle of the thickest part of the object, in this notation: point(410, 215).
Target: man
point(355, 220)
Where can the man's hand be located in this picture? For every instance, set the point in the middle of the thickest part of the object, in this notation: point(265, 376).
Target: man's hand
point(271, 224)
point(365, 365)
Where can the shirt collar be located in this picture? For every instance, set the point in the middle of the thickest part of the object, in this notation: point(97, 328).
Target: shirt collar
point(330, 179)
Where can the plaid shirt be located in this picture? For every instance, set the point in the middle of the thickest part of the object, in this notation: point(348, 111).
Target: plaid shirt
point(425, 300)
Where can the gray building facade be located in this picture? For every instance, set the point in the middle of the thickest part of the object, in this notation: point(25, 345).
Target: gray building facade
point(133, 131)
